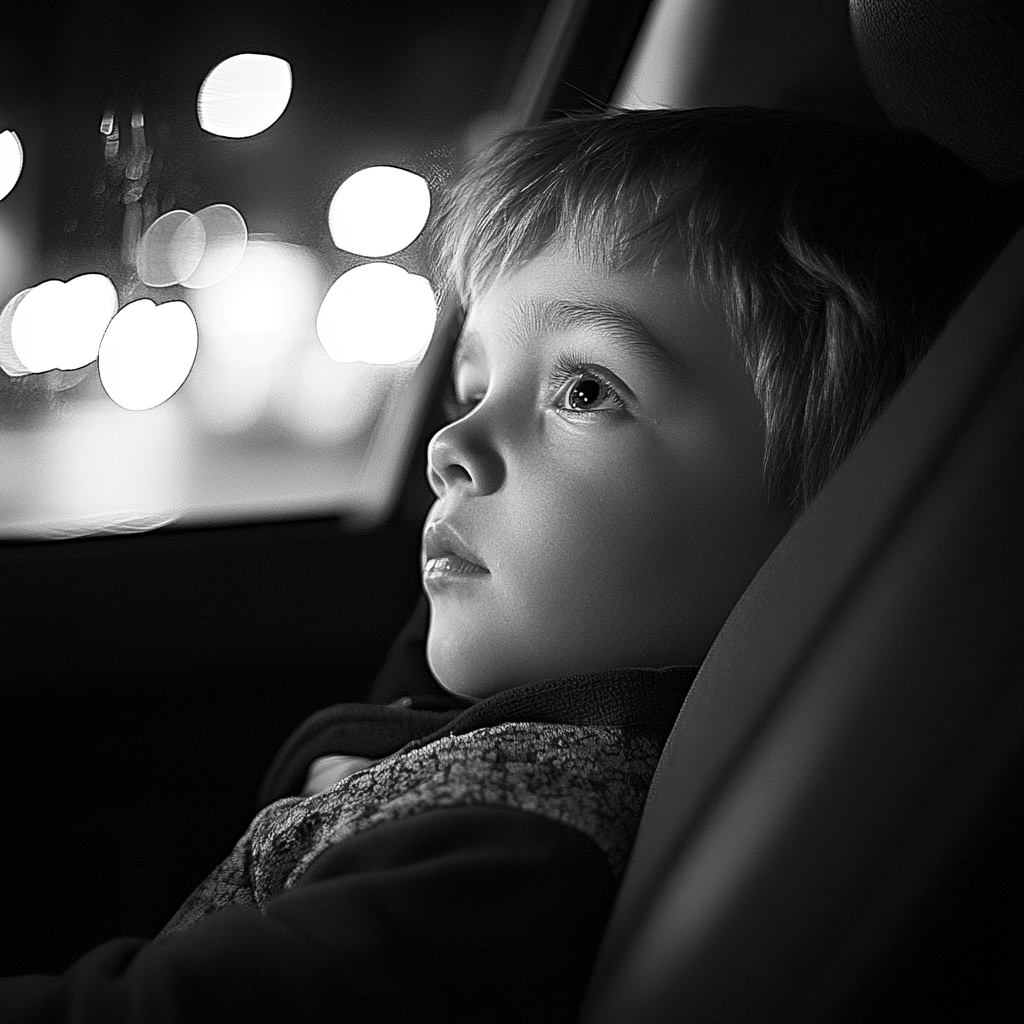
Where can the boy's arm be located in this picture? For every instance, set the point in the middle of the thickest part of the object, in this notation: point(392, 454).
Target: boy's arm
point(469, 913)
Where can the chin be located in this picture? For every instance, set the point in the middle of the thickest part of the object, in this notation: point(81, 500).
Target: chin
point(460, 676)
point(449, 673)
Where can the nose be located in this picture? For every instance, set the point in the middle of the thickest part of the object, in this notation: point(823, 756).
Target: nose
point(459, 455)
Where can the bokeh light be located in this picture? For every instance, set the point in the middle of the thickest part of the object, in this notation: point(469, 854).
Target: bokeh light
point(98, 469)
point(9, 361)
point(378, 211)
point(251, 325)
point(226, 237)
point(12, 157)
point(197, 250)
point(244, 95)
point(147, 353)
point(171, 249)
point(58, 324)
point(230, 400)
point(327, 403)
point(255, 316)
point(377, 313)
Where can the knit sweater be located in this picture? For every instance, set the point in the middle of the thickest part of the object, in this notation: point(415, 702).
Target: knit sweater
point(466, 875)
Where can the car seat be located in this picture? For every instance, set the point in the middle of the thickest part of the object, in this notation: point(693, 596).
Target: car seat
point(835, 820)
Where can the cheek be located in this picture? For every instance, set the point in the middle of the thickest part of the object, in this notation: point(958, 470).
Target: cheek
point(587, 543)
point(642, 562)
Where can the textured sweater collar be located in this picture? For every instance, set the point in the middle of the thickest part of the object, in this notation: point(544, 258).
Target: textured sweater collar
point(644, 700)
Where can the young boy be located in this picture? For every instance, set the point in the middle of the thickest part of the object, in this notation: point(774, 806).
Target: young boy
point(678, 324)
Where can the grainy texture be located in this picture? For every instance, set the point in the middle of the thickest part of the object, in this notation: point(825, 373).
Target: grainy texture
point(593, 778)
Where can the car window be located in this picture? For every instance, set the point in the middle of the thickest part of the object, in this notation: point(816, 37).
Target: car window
point(213, 280)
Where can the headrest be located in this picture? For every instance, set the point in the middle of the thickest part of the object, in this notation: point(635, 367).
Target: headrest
point(951, 70)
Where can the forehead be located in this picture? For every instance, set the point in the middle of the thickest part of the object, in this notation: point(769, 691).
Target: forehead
point(617, 322)
point(656, 317)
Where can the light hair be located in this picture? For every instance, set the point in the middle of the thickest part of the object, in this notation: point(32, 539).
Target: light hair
point(836, 252)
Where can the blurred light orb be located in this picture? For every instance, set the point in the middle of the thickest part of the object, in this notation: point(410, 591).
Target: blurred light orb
point(244, 95)
point(230, 399)
point(105, 470)
point(9, 361)
point(255, 316)
point(197, 250)
point(171, 249)
point(378, 211)
point(327, 403)
point(226, 237)
point(147, 353)
point(377, 313)
point(12, 158)
point(59, 325)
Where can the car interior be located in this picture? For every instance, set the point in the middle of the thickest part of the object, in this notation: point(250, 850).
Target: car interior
point(834, 831)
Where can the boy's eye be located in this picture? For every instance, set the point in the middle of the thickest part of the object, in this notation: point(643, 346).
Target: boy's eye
point(583, 390)
point(586, 393)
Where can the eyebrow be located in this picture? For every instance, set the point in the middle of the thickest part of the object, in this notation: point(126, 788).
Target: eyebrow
point(616, 322)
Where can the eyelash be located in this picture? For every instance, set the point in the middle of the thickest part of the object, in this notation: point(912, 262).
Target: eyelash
point(569, 367)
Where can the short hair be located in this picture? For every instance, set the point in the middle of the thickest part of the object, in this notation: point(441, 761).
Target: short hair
point(837, 252)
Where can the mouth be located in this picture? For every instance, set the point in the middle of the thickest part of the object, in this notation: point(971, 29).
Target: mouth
point(446, 556)
point(451, 567)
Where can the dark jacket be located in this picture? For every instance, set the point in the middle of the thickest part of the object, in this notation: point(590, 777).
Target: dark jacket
point(467, 875)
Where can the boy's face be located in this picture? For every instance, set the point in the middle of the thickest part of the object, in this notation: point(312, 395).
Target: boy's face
point(614, 497)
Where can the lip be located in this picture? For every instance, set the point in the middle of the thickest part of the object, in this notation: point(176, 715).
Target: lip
point(445, 553)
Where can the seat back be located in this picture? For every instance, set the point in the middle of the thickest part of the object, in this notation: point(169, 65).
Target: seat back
point(858, 717)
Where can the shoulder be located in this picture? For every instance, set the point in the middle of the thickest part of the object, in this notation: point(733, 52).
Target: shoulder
point(446, 841)
point(593, 779)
